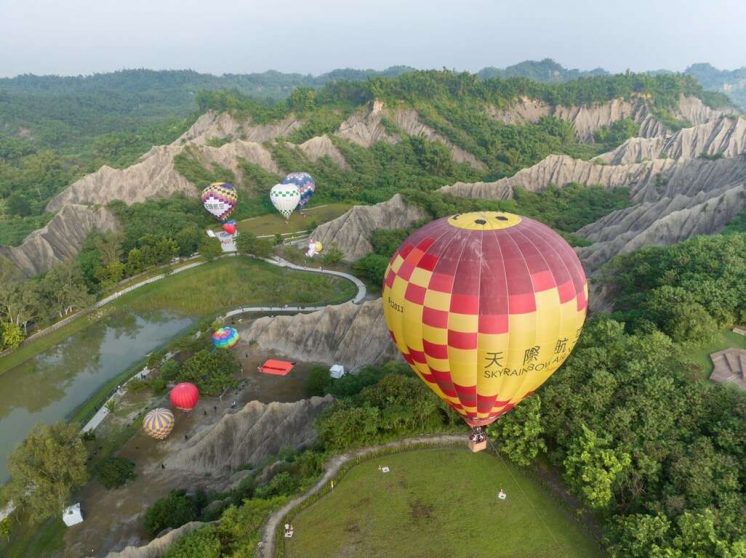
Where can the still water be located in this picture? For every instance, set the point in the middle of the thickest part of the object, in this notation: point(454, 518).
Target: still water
point(50, 386)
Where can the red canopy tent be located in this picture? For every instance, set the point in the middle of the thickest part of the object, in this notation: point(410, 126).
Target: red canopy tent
point(276, 367)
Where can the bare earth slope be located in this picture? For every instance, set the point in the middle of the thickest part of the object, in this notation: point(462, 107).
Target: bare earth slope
point(348, 334)
point(60, 239)
point(352, 230)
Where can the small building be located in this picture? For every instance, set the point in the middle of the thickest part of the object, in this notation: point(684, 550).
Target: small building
point(337, 371)
point(72, 516)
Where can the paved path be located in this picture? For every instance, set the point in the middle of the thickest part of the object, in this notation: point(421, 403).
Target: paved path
point(357, 299)
point(332, 468)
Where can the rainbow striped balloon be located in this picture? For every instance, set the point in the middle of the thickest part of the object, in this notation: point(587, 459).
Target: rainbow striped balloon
point(158, 423)
point(225, 338)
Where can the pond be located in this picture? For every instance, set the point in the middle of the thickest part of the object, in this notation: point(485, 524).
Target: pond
point(50, 386)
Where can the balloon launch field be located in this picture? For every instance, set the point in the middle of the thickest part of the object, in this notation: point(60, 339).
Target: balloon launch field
point(275, 223)
point(437, 503)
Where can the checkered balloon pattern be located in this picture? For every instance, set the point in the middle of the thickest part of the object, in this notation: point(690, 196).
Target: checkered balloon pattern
point(305, 184)
point(285, 198)
point(484, 307)
point(220, 199)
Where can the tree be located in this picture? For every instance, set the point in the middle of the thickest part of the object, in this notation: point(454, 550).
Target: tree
point(371, 267)
point(200, 543)
point(210, 248)
point(188, 239)
point(114, 472)
point(17, 204)
point(173, 511)
point(63, 290)
point(247, 243)
point(332, 254)
point(519, 433)
point(318, 381)
point(11, 336)
point(45, 469)
point(592, 468)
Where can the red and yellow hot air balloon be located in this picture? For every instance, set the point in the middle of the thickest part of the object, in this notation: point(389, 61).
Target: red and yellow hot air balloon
point(484, 307)
point(184, 396)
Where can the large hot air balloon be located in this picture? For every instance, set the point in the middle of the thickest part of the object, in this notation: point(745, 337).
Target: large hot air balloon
point(184, 396)
point(484, 307)
point(220, 199)
point(285, 198)
point(158, 423)
point(305, 184)
point(225, 338)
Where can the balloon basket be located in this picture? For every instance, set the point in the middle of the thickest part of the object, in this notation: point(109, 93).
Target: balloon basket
point(477, 446)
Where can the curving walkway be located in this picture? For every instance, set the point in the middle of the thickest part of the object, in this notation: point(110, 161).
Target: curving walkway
point(357, 299)
point(267, 549)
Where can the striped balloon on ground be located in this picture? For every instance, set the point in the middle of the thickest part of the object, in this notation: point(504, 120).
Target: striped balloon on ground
point(484, 307)
point(158, 423)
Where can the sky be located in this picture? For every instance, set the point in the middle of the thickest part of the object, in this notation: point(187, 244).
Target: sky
point(72, 37)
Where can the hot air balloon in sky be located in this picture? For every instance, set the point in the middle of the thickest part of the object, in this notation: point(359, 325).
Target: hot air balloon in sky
point(225, 338)
point(484, 307)
point(158, 423)
point(285, 198)
point(219, 198)
point(184, 396)
point(305, 184)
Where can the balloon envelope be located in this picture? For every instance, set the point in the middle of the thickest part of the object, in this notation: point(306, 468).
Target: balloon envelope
point(484, 307)
point(219, 198)
point(304, 182)
point(225, 338)
point(158, 423)
point(184, 396)
point(229, 228)
point(318, 246)
point(285, 198)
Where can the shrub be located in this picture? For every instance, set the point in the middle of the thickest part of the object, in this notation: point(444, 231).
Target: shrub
point(114, 472)
point(200, 543)
point(173, 511)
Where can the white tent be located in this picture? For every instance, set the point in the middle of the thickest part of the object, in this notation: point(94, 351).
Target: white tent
point(72, 516)
point(337, 371)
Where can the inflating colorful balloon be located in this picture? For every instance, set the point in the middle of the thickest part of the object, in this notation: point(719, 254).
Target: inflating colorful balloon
point(484, 307)
point(225, 338)
point(285, 198)
point(229, 228)
point(220, 199)
point(184, 396)
point(158, 423)
point(305, 184)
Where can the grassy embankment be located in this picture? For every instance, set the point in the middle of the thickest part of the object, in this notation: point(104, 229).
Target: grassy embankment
point(699, 353)
point(274, 223)
point(437, 503)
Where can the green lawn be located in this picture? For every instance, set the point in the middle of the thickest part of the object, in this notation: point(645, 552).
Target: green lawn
point(438, 503)
point(228, 283)
point(699, 353)
point(275, 223)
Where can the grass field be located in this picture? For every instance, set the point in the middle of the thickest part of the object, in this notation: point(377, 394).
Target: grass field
point(437, 503)
point(232, 282)
point(275, 223)
point(699, 353)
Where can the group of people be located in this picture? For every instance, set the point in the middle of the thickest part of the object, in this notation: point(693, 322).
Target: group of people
point(477, 435)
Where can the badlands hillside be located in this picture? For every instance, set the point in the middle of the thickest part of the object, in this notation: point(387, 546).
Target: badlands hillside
point(683, 182)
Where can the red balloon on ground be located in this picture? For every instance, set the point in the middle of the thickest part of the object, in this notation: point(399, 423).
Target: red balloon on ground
point(184, 396)
point(229, 228)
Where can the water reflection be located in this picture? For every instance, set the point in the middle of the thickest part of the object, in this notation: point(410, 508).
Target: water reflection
point(50, 386)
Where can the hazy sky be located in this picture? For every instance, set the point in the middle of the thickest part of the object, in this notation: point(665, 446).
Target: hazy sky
point(72, 37)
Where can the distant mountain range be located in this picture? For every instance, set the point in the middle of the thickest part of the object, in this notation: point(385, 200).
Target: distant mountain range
point(278, 85)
